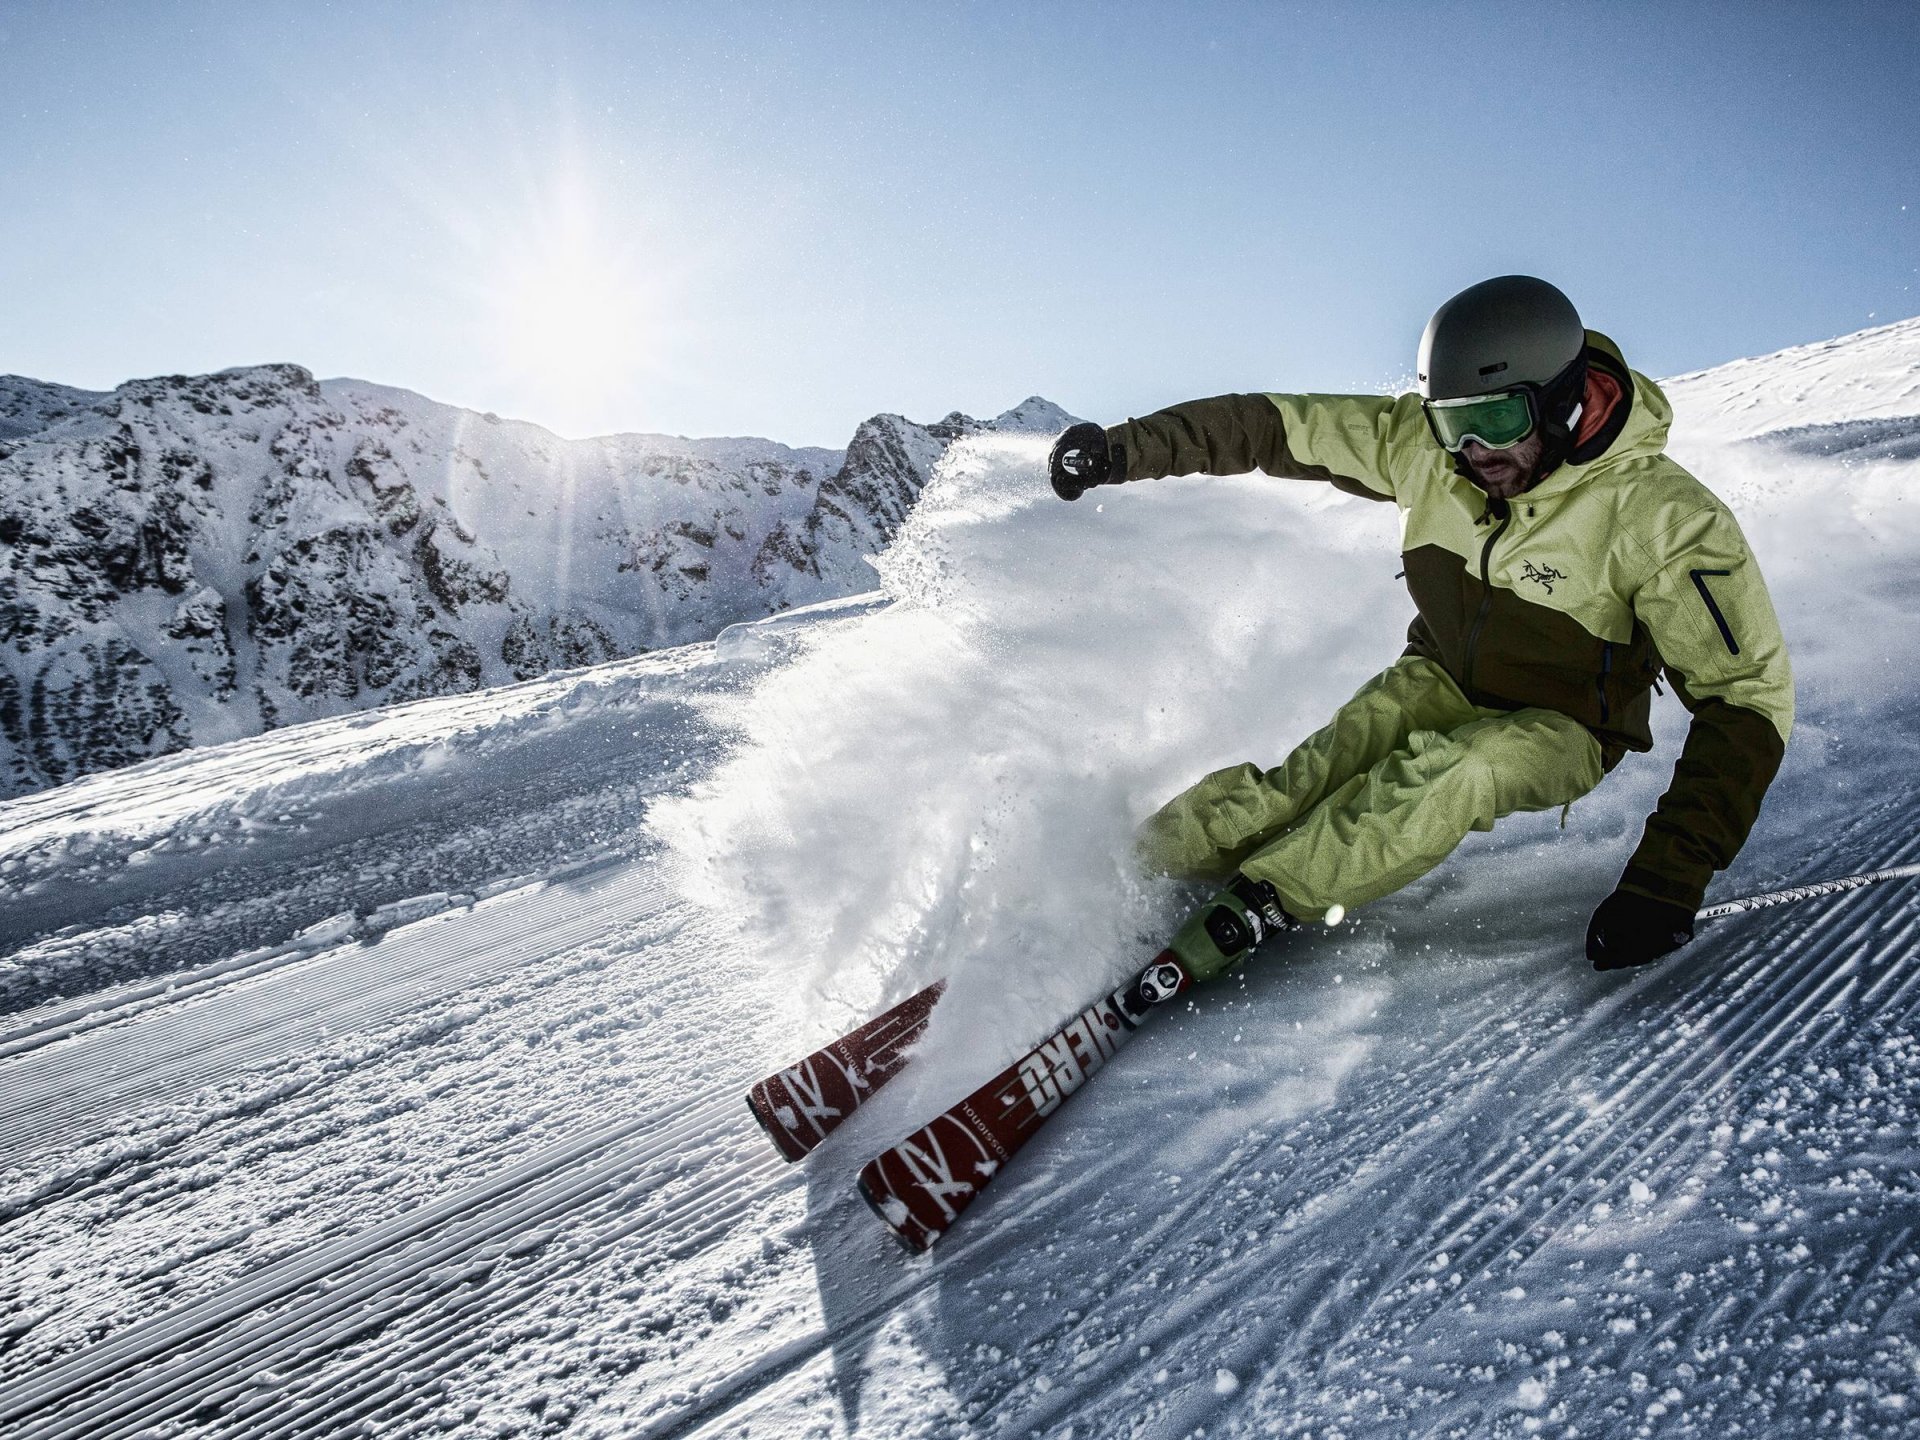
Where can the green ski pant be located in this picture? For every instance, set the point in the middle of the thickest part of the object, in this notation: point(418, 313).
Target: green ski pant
point(1378, 797)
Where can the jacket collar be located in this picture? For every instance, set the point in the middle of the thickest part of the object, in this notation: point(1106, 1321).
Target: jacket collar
point(1639, 432)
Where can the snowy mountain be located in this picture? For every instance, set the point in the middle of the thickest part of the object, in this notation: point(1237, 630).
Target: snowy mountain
point(191, 559)
point(1866, 378)
point(383, 1074)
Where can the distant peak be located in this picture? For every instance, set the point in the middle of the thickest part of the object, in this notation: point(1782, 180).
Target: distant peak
point(247, 384)
point(1034, 414)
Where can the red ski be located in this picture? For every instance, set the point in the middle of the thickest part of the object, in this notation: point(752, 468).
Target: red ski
point(921, 1185)
point(803, 1104)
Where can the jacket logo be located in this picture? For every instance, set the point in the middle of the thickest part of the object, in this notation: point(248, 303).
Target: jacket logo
point(1545, 574)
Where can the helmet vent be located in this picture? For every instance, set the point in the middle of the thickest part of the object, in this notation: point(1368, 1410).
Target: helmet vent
point(1486, 370)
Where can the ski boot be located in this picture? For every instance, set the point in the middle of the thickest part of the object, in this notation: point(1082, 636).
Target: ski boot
point(1230, 927)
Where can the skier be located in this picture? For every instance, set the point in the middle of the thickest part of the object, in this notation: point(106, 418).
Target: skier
point(1558, 561)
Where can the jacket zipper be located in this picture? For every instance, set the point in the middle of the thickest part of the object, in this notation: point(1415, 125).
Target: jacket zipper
point(1500, 508)
point(1606, 668)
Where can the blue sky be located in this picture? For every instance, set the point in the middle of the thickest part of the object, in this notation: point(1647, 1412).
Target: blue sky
point(734, 219)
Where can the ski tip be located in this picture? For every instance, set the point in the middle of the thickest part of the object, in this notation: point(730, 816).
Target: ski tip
point(790, 1150)
point(912, 1246)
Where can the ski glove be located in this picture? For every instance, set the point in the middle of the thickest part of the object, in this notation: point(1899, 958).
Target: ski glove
point(1080, 461)
point(1229, 927)
point(1633, 929)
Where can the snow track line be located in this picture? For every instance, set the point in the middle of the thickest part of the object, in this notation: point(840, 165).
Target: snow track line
point(67, 1021)
point(180, 1048)
point(953, 1253)
point(251, 1113)
point(525, 1192)
point(1768, 1000)
point(1870, 1275)
point(450, 1340)
point(1641, 1125)
point(1173, 1221)
point(229, 1362)
point(1646, 1124)
point(455, 1334)
point(774, 1366)
point(1312, 1293)
point(1894, 1305)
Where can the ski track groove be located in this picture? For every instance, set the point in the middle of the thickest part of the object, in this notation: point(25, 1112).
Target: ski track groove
point(1634, 1132)
point(1764, 995)
point(1318, 1297)
point(1623, 1141)
point(1174, 1219)
point(66, 1022)
point(1873, 1274)
point(223, 1313)
point(450, 1335)
point(954, 1252)
point(453, 1209)
point(1843, 1271)
point(801, 1350)
point(449, 1340)
point(449, 1344)
point(1897, 1305)
point(234, 1369)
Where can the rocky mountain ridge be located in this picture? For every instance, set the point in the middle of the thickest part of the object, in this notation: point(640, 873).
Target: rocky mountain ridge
point(189, 559)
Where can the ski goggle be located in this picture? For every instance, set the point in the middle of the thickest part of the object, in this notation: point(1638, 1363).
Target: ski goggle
point(1498, 421)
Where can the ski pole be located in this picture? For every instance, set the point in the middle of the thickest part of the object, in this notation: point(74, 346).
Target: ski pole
point(1807, 892)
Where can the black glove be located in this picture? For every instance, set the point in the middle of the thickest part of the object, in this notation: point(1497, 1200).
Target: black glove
point(1080, 460)
point(1632, 929)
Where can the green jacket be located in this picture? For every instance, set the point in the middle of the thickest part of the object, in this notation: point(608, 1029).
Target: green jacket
point(1574, 597)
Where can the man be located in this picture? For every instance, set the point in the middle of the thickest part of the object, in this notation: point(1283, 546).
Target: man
point(1559, 562)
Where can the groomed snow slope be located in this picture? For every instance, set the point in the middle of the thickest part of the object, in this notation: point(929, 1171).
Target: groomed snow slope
point(383, 1075)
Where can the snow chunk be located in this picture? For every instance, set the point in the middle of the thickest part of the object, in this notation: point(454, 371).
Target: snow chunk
point(1225, 1382)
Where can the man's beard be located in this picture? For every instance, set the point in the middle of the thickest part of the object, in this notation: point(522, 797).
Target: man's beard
point(1509, 472)
point(1506, 480)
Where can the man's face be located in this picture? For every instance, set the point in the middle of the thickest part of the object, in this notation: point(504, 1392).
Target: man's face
point(1503, 474)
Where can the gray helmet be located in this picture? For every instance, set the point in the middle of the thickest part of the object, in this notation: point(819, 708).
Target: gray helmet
point(1507, 331)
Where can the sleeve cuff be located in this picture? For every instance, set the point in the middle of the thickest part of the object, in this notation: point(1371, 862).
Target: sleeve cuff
point(1655, 886)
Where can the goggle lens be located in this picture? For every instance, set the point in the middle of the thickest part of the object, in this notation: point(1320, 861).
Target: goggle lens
point(1496, 421)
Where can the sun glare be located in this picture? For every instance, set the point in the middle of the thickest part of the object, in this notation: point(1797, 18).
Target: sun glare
point(575, 310)
point(572, 319)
